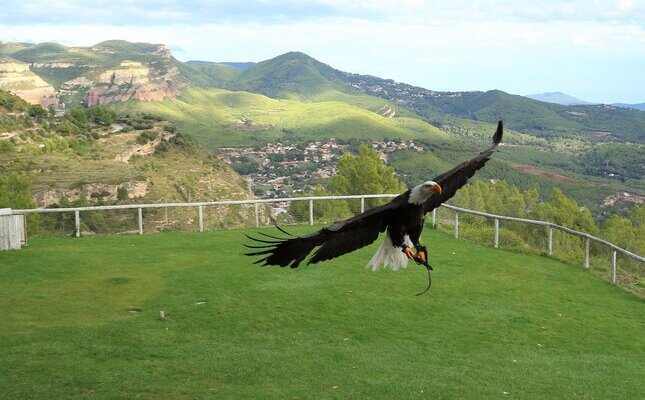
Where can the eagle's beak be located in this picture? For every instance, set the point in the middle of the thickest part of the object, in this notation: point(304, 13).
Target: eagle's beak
point(437, 188)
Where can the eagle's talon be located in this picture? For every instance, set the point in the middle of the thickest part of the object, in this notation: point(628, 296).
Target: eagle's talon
point(408, 252)
point(422, 256)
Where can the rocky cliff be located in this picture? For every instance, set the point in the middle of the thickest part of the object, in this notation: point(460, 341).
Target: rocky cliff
point(18, 78)
point(132, 80)
point(107, 72)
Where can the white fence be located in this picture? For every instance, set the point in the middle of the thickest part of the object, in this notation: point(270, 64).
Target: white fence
point(257, 205)
point(12, 230)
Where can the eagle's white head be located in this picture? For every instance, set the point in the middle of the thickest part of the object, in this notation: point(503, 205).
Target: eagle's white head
point(420, 193)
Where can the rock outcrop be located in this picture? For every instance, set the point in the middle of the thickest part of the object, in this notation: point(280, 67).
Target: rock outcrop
point(622, 197)
point(143, 149)
point(146, 73)
point(134, 81)
point(18, 79)
point(92, 193)
point(52, 65)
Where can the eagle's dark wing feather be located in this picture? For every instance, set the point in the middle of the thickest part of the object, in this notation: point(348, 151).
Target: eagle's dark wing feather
point(457, 177)
point(333, 241)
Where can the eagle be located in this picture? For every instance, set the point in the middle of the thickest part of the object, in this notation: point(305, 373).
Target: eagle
point(402, 219)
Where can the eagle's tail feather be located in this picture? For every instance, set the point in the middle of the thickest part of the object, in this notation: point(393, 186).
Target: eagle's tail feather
point(389, 255)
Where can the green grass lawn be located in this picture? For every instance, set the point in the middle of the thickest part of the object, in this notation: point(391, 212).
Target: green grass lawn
point(80, 320)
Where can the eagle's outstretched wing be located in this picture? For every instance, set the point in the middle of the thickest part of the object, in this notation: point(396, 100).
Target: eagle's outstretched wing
point(359, 231)
point(333, 241)
point(457, 177)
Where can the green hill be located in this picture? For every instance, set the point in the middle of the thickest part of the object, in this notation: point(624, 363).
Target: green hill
point(591, 122)
point(293, 73)
point(218, 74)
point(221, 118)
point(81, 316)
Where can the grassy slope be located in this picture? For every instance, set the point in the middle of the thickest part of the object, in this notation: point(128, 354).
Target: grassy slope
point(546, 119)
point(62, 165)
point(495, 321)
point(219, 74)
point(65, 170)
point(215, 118)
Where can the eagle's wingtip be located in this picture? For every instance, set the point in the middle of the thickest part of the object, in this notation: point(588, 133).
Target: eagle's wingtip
point(498, 133)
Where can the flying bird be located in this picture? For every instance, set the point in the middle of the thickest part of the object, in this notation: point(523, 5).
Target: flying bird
point(402, 219)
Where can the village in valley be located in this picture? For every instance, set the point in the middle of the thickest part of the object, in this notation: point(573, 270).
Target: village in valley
point(283, 170)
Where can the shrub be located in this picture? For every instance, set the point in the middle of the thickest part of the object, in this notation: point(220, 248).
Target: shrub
point(170, 128)
point(122, 193)
point(162, 147)
point(147, 136)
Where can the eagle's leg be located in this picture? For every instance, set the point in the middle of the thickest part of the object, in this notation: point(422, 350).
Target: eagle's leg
point(421, 256)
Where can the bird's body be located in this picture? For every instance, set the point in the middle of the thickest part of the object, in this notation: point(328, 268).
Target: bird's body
point(402, 219)
point(403, 228)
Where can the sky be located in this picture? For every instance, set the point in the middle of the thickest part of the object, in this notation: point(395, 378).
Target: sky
point(593, 50)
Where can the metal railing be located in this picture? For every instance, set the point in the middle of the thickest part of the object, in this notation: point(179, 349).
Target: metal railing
point(257, 203)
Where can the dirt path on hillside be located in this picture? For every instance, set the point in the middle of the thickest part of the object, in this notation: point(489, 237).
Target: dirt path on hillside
point(531, 170)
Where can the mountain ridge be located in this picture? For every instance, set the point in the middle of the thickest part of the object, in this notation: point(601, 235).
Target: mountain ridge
point(117, 70)
point(635, 106)
point(558, 98)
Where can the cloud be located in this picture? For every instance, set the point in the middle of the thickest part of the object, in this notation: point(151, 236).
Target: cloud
point(150, 12)
point(625, 5)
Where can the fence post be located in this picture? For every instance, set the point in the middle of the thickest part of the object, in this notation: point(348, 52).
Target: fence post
point(201, 218)
point(311, 211)
point(613, 267)
point(434, 217)
point(496, 233)
point(586, 263)
point(140, 212)
point(24, 227)
point(550, 240)
point(456, 224)
point(77, 223)
point(362, 205)
point(257, 215)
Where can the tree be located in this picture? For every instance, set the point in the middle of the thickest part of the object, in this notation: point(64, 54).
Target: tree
point(101, 115)
point(365, 173)
point(565, 211)
point(627, 232)
point(78, 116)
point(325, 211)
point(37, 111)
point(15, 191)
